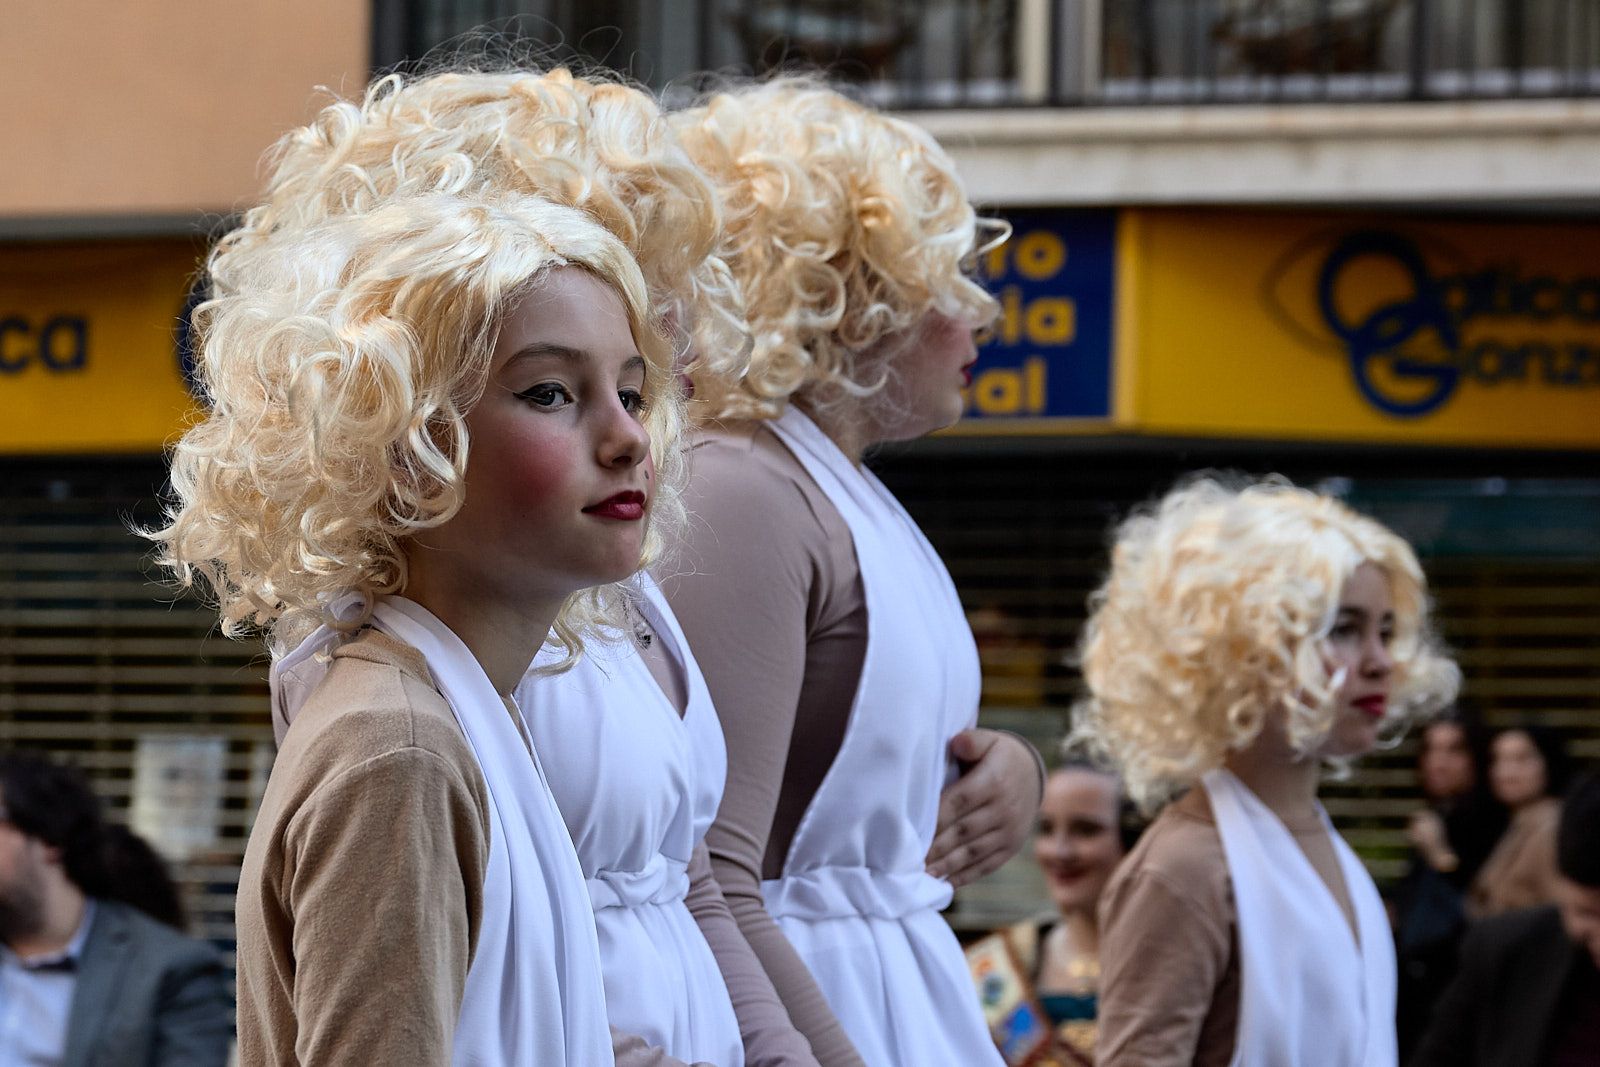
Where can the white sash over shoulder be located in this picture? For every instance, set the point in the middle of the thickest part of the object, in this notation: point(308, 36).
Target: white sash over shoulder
point(534, 992)
point(854, 898)
point(1309, 995)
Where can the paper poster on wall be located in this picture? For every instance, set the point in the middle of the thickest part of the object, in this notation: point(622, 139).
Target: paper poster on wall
point(178, 782)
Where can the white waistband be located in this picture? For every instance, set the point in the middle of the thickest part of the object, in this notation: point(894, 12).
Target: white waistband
point(662, 881)
point(842, 892)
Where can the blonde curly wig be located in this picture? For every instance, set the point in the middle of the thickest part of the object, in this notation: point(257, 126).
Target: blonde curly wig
point(844, 228)
point(593, 144)
point(339, 366)
point(1215, 615)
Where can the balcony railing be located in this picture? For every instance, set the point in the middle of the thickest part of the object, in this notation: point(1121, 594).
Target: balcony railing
point(985, 53)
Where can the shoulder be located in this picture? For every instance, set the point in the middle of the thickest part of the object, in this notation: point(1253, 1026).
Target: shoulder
point(1182, 851)
point(157, 945)
point(376, 700)
point(377, 734)
point(746, 470)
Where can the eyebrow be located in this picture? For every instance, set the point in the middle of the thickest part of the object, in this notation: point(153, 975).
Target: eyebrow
point(1361, 613)
point(566, 354)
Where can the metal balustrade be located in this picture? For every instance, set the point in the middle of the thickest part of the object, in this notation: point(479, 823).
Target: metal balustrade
point(1061, 53)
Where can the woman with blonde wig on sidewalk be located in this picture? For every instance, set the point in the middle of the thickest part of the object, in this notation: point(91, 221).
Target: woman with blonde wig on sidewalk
point(1245, 637)
point(829, 632)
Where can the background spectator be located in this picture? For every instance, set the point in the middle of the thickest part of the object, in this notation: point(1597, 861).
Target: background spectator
point(1079, 843)
point(1528, 991)
point(1451, 836)
point(1527, 769)
point(85, 976)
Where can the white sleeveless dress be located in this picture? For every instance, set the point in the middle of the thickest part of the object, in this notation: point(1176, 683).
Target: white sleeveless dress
point(854, 898)
point(1309, 994)
point(638, 786)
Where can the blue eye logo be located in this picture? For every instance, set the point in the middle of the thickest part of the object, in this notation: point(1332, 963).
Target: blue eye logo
point(1441, 323)
point(1377, 340)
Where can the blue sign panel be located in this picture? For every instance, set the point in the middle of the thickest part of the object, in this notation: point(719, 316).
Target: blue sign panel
point(1048, 355)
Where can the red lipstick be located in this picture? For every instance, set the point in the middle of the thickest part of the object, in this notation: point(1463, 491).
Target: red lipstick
point(966, 373)
point(1374, 705)
point(624, 507)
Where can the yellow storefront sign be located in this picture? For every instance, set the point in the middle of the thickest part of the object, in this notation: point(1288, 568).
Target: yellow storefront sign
point(1183, 322)
point(88, 362)
point(1351, 328)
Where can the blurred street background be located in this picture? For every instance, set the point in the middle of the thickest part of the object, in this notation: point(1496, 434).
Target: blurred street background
point(1356, 242)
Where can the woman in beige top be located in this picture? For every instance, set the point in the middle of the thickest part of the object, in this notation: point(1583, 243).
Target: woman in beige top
point(431, 431)
point(604, 148)
point(1525, 774)
point(1244, 637)
point(849, 232)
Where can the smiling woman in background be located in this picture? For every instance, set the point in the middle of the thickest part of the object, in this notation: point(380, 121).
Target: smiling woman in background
point(1244, 637)
point(1079, 843)
point(1527, 771)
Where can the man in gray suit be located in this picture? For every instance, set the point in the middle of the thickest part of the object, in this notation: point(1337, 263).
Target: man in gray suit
point(87, 980)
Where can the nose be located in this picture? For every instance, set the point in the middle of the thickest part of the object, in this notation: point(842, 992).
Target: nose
point(624, 442)
point(1378, 661)
point(969, 342)
point(1064, 847)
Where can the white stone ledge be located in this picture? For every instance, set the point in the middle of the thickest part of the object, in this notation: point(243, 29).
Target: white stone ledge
point(1524, 152)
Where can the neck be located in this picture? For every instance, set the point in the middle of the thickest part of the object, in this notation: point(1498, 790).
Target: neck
point(60, 917)
point(846, 425)
point(1284, 780)
point(1528, 805)
point(502, 633)
point(1082, 932)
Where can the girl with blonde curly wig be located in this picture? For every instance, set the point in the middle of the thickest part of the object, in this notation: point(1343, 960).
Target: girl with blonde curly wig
point(431, 429)
point(592, 143)
point(831, 635)
point(1245, 637)
point(630, 745)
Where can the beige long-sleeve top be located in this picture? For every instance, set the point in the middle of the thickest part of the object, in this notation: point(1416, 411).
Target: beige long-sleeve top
point(1169, 940)
point(782, 670)
point(1521, 869)
point(362, 889)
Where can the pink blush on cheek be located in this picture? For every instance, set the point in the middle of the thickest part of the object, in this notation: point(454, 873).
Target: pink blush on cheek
point(523, 470)
point(536, 477)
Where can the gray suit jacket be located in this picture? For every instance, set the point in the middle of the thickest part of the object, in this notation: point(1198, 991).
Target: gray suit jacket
point(147, 996)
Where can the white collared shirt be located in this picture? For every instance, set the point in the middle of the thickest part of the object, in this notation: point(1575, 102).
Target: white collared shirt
point(36, 999)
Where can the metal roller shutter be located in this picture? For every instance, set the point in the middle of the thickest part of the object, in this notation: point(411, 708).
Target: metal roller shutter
point(99, 660)
point(102, 664)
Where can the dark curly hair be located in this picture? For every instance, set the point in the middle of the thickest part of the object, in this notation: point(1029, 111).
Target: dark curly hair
point(54, 803)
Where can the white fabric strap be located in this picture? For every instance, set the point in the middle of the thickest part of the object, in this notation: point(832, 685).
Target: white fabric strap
point(1309, 994)
point(855, 899)
point(534, 993)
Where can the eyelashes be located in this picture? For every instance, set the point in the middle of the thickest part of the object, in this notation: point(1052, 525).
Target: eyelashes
point(553, 396)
